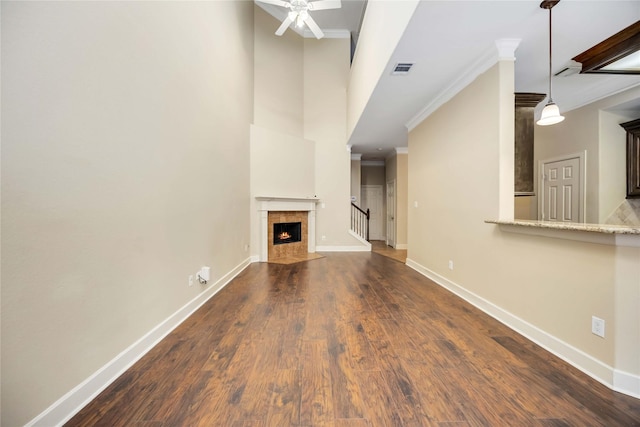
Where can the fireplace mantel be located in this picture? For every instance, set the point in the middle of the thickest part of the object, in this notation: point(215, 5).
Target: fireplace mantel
point(268, 204)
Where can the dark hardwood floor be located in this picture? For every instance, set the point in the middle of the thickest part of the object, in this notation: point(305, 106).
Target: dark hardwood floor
point(351, 339)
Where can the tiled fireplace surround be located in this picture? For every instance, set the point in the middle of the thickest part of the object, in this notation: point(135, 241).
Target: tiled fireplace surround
point(288, 208)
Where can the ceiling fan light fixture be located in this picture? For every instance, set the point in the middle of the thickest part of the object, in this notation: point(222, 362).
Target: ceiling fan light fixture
point(299, 13)
point(550, 115)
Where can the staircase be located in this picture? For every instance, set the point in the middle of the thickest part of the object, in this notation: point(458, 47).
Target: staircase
point(360, 221)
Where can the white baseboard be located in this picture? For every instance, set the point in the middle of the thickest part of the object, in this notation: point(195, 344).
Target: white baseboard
point(72, 402)
point(622, 382)
point(626, 383)
point(343, 248)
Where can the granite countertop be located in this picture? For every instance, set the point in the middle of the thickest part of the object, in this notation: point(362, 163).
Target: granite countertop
point(570, 226)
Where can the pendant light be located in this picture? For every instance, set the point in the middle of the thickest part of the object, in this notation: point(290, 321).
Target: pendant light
point(551, 112)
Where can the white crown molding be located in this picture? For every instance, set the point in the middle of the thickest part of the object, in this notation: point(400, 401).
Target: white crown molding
point(328, 34)
point(372, 163)
point(504, 50)
point(566, 107)
point(507, 49)
point(402, 150)
point(356, 156)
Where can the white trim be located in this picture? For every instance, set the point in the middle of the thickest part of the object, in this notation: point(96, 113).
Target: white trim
point(582, 159)
point(356, 156)
point(372, 163)
point(498, 52)
point(622, 382)
point(343, 248)
point(360, 239)
point(626, 383)
point(72, 402)
point(328, 34)
point(402, 150)
point(507, 49)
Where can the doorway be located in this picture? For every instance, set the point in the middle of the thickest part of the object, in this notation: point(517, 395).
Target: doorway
point(562, 197)
point(372, 200)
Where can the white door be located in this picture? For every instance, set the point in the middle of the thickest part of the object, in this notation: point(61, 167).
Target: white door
point(391, 214)
point(372, 200)
point(561, 194)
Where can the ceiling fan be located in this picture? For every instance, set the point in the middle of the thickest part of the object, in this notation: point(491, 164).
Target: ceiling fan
point(299, 13)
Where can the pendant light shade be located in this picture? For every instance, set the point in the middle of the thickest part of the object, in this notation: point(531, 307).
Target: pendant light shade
point(551, 112)
point(550, 115)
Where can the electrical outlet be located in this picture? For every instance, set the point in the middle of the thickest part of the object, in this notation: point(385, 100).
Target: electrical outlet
point(191, 280)
point(450, 264)
point(597, 326)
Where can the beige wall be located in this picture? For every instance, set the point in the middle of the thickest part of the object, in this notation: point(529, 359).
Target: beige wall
point(326, 73)
point(612, 162)
point(373, 175)
point(125, 168)
point(553, 286)
point(355, 180)
point(278, 84)
point(402, 202)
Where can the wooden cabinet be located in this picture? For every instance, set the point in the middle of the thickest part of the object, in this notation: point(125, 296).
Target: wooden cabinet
point(633, 158)
point(525, 104)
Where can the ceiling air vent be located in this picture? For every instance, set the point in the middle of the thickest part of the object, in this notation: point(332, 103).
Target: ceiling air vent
point(402, 68)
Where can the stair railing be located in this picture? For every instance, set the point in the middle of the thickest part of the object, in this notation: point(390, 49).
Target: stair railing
point(360, 221)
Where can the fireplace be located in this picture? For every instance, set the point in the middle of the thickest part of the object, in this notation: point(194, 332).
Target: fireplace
point(287, 232)
point(273, 210)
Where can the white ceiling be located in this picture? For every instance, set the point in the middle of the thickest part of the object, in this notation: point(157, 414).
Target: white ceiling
point(445, 38)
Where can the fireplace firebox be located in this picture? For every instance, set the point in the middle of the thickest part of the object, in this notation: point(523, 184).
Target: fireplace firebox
point(287, 232)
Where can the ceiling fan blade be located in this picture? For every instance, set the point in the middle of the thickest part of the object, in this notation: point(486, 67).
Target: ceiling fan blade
point(324, 4)
point(314, 27)
point(283, 27)
point(277, 3)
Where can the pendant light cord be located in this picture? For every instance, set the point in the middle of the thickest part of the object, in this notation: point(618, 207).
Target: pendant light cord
point(550, 98)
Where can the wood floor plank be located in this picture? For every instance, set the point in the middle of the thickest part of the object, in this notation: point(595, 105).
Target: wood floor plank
point(401, 386)
point(284, 409)
point(316, 407)
point(349, 340)
point(288, 321)
point(361, 356)
point(381, 409)
point(436, 398)
point(352, 422)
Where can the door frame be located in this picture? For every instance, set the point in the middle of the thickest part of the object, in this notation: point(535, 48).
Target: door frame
point(391, 211)
point(582, 194)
